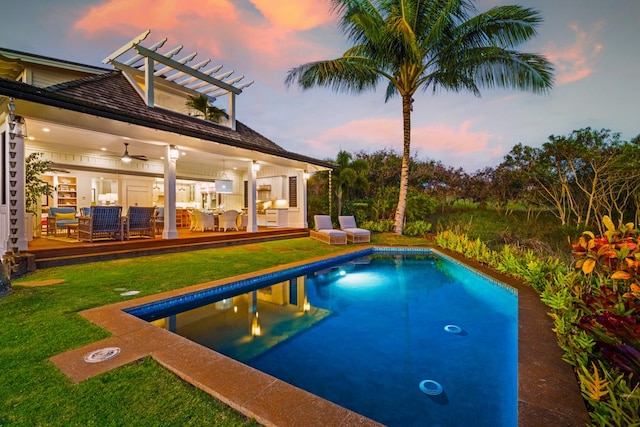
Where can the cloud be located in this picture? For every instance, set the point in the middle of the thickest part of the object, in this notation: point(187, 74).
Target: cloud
point(300, 15)
point(576, 62)
point(458, 147)
point(263, 38)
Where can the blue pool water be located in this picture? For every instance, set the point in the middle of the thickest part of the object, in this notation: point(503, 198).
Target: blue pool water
point(374, 330)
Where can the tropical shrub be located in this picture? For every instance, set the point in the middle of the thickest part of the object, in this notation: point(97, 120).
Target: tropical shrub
point(595, 311)
point(416, 228)
point(419, 207)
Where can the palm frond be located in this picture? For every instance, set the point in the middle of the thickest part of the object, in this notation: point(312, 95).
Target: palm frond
point(346, 74)
point(511, 70)
point(504, 26)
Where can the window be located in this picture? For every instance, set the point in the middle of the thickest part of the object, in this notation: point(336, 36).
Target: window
point(293, 191)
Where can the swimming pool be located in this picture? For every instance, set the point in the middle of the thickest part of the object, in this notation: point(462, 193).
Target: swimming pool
point(354, 337)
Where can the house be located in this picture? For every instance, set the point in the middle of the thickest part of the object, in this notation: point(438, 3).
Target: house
point(123, 134)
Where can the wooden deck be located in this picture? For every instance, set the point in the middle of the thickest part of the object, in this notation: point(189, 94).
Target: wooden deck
point(50, 252)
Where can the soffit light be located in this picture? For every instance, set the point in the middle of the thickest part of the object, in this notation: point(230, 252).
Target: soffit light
point(174, 153)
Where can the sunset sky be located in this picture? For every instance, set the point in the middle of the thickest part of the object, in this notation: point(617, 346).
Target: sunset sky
point(594, 45)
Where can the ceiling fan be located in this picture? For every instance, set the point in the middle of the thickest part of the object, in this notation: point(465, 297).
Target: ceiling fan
point(126, 157)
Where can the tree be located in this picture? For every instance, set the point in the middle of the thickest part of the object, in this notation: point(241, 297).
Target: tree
point(204, 110)
point(413, 44)
point(349, 176)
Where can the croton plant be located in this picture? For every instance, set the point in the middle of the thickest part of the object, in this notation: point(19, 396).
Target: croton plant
point(612, 304)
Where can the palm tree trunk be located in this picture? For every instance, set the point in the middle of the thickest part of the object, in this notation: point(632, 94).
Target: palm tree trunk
point(406, 155)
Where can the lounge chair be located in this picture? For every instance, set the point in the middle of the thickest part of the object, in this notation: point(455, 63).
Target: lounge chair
point(105, 222)
point(325, 232)
point(140, 222)
point(354, 234)
point(59, 218)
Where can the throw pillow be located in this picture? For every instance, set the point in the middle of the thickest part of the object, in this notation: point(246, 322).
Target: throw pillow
point(65, 216)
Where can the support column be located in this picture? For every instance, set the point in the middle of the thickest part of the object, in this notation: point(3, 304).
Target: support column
point(304, 208)
point(15, 164)
point(252, 223)
point(170, 231)
point(232, 110)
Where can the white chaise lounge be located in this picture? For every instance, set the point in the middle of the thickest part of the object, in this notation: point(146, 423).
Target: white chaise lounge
point(354, 234)
point(325, 232)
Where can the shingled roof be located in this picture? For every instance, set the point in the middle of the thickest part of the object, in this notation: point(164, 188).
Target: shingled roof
point(111, 96)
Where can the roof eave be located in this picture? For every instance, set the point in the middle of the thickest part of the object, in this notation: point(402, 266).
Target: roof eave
point(38, 95)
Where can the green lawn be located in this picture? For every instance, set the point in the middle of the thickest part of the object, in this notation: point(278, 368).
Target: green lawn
point(40, 322)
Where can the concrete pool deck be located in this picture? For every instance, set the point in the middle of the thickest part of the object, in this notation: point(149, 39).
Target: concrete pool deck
point(548, 393)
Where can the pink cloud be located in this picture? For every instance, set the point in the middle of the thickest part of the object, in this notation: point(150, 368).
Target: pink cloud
point(268, 41)
point(453, 146)
point(123, 15)
point(576, 62)
point(294, 16)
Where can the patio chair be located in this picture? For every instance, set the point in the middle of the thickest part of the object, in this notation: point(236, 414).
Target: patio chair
point(193, 222)
point(244, 221)
point(105, 222)
point(325, 232)
point(354, 234)
point(59, 218)
point(159, 219)
point(140, 222)
point(229, 220)
point(204, 221)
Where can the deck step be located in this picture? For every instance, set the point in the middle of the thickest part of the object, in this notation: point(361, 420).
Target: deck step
point(46, 258)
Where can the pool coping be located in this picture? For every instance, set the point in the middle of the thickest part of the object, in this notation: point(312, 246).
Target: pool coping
point(548, 392)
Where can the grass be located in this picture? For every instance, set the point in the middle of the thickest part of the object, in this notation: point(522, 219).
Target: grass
point(40, 322)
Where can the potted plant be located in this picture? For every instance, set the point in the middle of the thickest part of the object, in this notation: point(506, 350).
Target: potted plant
point(35, 188)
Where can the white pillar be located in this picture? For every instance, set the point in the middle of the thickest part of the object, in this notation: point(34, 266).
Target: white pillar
point(232, 110)
point(302, 204)
point(252, 223)
point(15, 175)
point(169, 231)
point(149, 96)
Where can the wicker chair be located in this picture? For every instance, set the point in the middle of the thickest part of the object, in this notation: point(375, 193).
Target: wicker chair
point(59, 218)
point(325, 232)
point(204, 221)
point(159, 219)
point(193, 222)
point(229, 220)
point(140, 221)
point(105, 222)
point(354, 234)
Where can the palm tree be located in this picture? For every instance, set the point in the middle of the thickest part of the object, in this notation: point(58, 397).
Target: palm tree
point(413, 44)
point(204, 110)
point(349, 176)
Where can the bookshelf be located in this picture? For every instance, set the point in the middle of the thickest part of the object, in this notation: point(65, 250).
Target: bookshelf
point(67, 192)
